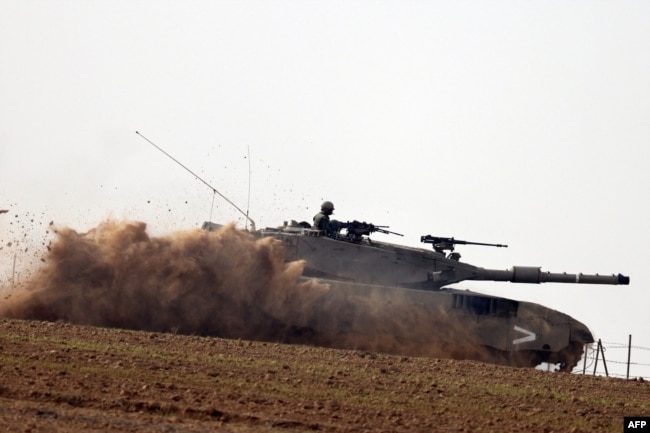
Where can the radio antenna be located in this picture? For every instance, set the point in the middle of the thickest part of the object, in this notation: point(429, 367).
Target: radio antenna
point(214, 190)
point(248, 201)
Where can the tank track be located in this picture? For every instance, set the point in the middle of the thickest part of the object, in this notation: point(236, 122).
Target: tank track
point(566, 359)
point(570, 356)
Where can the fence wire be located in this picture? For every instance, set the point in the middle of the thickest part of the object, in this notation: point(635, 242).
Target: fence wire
point(607, 357)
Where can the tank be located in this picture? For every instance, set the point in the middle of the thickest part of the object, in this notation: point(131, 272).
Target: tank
point(393, 298)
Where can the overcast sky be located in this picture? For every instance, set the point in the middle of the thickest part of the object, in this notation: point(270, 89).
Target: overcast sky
point(517, 122)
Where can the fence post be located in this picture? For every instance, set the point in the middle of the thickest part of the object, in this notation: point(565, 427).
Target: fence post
point(584, 363)
point(597, 355)
point(602, 351)
point(629, 352)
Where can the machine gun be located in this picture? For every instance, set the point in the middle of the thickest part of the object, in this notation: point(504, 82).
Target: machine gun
point(441, 244)
point(355, 230)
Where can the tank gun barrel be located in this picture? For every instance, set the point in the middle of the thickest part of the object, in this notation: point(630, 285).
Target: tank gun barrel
point(534, 275)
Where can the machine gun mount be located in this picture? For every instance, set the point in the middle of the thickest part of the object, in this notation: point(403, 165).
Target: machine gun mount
point(356, 230)
point(440, 244)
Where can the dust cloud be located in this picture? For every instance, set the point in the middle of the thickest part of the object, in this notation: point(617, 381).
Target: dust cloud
point(225, 283)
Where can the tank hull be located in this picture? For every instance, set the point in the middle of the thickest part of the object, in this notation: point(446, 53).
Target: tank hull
point(447, 323)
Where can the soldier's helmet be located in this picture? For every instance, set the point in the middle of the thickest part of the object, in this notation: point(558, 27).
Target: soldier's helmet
point(327, 207)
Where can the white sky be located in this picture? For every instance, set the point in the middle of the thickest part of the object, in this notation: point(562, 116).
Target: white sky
point(517, 122)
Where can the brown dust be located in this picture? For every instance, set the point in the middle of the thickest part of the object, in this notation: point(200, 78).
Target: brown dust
point(223, 283)
point(226, 283)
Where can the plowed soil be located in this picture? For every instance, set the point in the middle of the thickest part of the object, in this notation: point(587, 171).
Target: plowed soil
point(58, 377)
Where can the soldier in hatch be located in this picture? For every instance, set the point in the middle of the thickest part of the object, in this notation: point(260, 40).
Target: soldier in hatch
point(322, 219)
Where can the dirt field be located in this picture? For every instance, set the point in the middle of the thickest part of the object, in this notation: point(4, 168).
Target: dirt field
point(62, 378)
